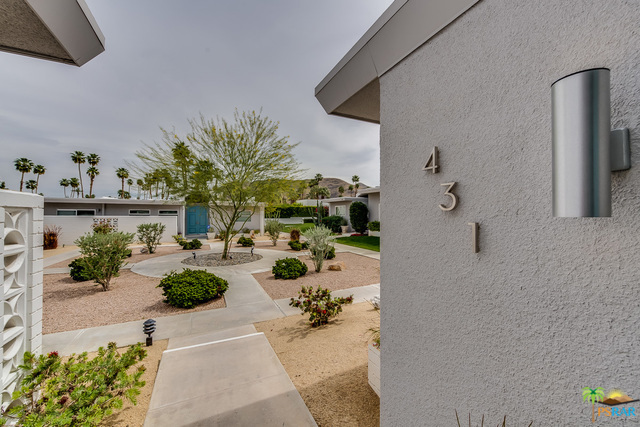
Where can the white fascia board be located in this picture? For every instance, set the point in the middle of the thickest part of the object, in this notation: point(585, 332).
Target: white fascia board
point(73, 25)
point(403, 27)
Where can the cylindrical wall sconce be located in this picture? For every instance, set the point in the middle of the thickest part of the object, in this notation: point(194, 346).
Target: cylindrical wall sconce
point(581, 128)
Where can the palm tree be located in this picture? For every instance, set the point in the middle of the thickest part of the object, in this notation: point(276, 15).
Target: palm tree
point(64, 182)
point(92, 171)
point(23, 165)
point(74, 183)
point(3, 186)
point(79, 158)
point(123, 174)
point(93, 159)
point(593, 395)
point(31, 185)
point(129, 183)
point(140, 184)
point(351, 189)
point(341, 190)
point(38, 170)
point(356, 183)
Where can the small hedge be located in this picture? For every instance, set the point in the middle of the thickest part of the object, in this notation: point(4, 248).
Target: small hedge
point(307, 221)
point(333, 223)
point(289, 268)
point(374, 226)
point(191, 287)
point(194, 244)
point(297, 245)
point(246, 241)
point(78, 271)
point(359, 215)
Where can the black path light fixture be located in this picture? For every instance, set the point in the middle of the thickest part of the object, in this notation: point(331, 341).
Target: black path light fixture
point(585, 149)
point(149, 327)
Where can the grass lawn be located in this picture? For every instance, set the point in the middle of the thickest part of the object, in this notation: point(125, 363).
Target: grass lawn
point(301, 227)
point(365, 242)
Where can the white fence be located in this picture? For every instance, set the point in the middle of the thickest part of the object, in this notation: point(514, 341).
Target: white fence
point(75, 226)
point(21, 223)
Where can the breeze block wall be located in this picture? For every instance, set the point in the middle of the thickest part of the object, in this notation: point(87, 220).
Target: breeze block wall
point(21, 224)
point(549, 305)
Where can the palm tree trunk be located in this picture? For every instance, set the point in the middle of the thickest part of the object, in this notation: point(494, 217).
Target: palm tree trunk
point(37, 182)
point(65, 192)
point(593, 413)
point(123, 188)
point(91, 187)
point(21, 181)
point(80, 175)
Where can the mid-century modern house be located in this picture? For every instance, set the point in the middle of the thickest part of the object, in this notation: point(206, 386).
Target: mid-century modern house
point(502, 138)
point(66, 32)
point(76, 216)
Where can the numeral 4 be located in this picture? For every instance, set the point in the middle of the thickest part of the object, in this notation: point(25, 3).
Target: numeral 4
point(432, 162)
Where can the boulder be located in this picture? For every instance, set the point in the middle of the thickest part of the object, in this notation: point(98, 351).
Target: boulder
point(337, 266)
point(144, 250)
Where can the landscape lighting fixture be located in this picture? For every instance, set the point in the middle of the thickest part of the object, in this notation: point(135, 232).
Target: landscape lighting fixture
point(585, 149)
point(149, 327)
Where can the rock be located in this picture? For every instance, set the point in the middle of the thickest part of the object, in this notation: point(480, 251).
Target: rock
point(143, 250)
point(337, 266)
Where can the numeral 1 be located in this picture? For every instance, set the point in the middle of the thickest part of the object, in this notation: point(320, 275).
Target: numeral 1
point(475, 227)
point(432, 162)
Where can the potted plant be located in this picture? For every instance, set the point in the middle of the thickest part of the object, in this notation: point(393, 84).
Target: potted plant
point(344, 226)
point(210, 235)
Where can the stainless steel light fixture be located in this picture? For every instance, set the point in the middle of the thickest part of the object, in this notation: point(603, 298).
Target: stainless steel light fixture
point(585, 150)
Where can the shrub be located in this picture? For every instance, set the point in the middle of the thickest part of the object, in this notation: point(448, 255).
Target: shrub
point(246, 241)
point(78, 272)
point(273, 228)
point(319, 241)
point(178, 238)
point(330, 254)
point(333, 223)
point(294, 234)
point(307, 221)
point(76, 391)
point(319, 304)
point(289, 268)
point(102, 227)
point(103, 255)
point(359, 215)
point(150, 234)
point(194, 244)
point(191, 287)
point(50, 236)
point(374, 226)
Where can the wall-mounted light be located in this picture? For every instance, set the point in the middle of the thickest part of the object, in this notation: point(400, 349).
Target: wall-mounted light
point(585, 149)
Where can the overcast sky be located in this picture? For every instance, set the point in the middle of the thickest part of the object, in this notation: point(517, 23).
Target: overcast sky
point(167, 61)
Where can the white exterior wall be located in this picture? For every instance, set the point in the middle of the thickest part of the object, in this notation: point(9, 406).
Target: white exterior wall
point(21, 224)
point(76, 226)
point(374, 206)
point(549, 305)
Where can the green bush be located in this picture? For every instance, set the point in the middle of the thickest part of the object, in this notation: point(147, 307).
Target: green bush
point(289, 268)
point(76, 391)
point(102, 227)
point(374, 226)
point(359, 215)
point(320, 246)
point(273, 227)
point(78, 271)
point(307, 221)
point(333, 223)
point(329, 254)
point(194, 244)
point(246, 241)
point(150, 235)
point(297, 245)
point(103, 255)
point(319, 304)
point(191, 287)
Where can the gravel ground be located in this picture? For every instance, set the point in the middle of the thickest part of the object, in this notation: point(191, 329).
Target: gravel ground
point(70, 305)
point(130, 415)
point(328, 365)
point(281, 246)
point(215, 260)
point(137, 256)
point(361, 271)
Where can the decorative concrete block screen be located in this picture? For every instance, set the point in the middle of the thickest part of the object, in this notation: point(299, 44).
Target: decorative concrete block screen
point(21, 223)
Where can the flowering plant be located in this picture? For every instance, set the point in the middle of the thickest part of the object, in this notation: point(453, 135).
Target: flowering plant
point(319, 304)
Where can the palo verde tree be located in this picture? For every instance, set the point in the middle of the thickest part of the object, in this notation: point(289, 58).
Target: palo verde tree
point(230, 167)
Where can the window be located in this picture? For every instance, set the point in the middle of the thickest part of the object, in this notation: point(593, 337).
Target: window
point(168, 213)
point(341, 210)
point(76, 212)
point(244, 216)
point(138, 212)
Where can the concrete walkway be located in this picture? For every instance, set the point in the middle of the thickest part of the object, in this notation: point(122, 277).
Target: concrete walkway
point(229, 378)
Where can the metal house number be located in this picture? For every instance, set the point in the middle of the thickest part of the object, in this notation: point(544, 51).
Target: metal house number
point(434, 166)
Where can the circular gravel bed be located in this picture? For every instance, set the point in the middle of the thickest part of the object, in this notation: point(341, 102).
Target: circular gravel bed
point(215, 259)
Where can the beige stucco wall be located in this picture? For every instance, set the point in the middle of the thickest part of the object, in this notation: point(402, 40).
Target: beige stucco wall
point(549, 305)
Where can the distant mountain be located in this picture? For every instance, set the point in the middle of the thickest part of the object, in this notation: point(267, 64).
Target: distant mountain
point(333, 183)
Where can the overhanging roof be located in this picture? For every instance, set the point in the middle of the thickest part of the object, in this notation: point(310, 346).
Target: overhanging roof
point(352, 88)
point(57, 30)
point(111, 201)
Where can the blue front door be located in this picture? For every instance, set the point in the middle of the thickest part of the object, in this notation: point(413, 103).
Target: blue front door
point(197, 220)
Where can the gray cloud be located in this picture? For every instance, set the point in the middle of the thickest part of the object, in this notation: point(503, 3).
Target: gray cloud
point(166, 62)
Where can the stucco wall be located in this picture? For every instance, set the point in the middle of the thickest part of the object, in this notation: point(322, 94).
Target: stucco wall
point(549, 305)
point(75, 226)
point(374, 206)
